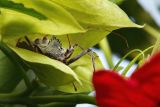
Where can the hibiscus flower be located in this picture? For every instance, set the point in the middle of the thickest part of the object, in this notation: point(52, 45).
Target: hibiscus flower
point(142, 89)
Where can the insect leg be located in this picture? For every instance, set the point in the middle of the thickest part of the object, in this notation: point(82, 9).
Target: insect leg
point(69, 41)
point(91, 54)
point(29, 43)
point(78, 56)
point(18, 42)
point(75, 88)
point(70, 51)
point(22, 44)
point(93, 60)
point(37, 49)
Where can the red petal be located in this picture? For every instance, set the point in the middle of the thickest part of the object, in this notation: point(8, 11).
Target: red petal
point(114, 91)
point(148, 77)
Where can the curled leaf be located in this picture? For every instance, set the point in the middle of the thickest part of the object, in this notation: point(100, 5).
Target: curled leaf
point(49, 71)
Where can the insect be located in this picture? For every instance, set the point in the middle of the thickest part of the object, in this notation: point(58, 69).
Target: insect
point(53, 49)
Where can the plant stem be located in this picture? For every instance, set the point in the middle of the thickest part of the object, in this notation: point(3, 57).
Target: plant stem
point(15, 99)
point(77, 98)
point(155, 33)
point(152, 31)
point(15, 59)
point(55, 100)
point(58, 104)
point(134, 60)
point(104, 45)
point(123, 58)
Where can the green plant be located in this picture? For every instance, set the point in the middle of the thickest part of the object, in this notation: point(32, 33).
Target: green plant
point(86, 23)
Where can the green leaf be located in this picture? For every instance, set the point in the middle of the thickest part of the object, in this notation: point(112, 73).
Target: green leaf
point(85, 40)
point(99, 13)
point(20, 8)
point(9, 76)
point(90, 38)
point(117, 1)
point(51, 72)
point(23, 24)
point(100, 17)
point(62, 20)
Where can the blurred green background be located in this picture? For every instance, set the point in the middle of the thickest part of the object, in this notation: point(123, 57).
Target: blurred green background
point(136, 38)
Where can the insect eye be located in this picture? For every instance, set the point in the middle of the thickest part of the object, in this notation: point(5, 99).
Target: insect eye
point(45, 40)
point(37, 41)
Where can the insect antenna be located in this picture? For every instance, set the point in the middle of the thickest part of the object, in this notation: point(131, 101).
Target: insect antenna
point(116, 34)
point(75, 88)
point(121, 36)
point(69, 41)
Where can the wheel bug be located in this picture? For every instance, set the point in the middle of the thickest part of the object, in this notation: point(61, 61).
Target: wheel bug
point(53, 49)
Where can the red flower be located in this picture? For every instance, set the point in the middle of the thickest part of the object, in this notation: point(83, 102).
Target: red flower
point(142, 89)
